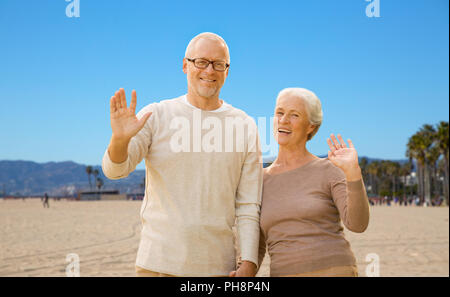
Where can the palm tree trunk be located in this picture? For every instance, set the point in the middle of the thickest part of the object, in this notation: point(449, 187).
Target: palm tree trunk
point(437, 190)
point(446, 179)
point(376, 185)
point(422, 185)
point(393, 186)
point(419, 182)
point(427, 184)
point(405, 188)
point(411, 191)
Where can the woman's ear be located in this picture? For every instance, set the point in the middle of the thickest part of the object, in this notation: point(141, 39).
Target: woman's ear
point(311, 128)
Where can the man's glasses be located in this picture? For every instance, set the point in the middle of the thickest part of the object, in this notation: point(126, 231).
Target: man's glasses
point(203, 64)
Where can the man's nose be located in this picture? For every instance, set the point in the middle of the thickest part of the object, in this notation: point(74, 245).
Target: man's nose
point(210, 68)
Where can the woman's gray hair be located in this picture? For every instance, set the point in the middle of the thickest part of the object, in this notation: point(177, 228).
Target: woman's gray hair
point(312, 104)
point(206, 35)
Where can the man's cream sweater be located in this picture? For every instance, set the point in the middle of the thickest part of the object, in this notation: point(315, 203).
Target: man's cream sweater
point(198, 185)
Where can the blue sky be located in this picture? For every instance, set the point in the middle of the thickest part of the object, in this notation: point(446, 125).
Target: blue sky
point(379, 79)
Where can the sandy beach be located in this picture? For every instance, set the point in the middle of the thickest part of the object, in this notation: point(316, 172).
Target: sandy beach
point(409, 241)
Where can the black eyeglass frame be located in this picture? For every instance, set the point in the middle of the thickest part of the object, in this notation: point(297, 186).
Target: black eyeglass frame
point(209, 62)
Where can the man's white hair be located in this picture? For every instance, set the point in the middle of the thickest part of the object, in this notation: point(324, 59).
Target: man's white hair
point(312, 104)
point(206, 35)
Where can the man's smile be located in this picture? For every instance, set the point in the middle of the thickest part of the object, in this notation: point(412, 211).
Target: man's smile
point(207, 80)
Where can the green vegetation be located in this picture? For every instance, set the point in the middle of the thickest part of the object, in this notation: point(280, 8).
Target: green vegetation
point(428, 153)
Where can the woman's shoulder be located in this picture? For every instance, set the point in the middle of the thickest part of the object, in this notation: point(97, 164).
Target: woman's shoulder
point(324, 168)
point(324, 162)
point(320, 165)
point(332, 171)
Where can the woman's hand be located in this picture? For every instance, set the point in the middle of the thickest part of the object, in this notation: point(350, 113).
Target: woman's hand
point(344, 157)
point(246, 269)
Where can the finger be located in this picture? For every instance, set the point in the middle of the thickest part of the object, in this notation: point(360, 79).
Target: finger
point(330, 155)
point(335, 141)
point(343, 144)
point(350, 143)
point(117, 99)
point(123, 100)
point(133, 101)
point(232, 274)
point(112, 105)
point(331, 145)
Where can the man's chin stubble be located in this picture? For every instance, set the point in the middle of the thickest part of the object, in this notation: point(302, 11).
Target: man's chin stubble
point(207, 94)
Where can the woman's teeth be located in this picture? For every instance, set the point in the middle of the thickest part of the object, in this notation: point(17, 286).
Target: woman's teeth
point(284, 131)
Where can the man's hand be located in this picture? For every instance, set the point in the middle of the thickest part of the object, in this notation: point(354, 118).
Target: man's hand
point(246, 269)
point(124, 122)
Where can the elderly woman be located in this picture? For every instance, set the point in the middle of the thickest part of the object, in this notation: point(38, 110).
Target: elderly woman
point(305, 198)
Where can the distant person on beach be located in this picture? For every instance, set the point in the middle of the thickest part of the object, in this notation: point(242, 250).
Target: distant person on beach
point(194, 190)
point(46, 204)
point(305, 198)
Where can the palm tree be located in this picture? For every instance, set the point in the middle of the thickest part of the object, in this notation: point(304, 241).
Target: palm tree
point(373, 169)
point(415, 151)
point(363, 165)
point(442, 141)
point(99, 183)
point(441, 171)
point(419, 147)
point(427, 133)
point(433, 155)
point(95, 173)
point(393, 170)
point(405, 171)
point(89, 172)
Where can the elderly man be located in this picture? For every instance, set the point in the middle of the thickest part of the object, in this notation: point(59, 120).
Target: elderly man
point(198, 185)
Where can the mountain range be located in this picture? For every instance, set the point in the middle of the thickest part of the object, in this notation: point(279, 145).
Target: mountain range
point(28, 178)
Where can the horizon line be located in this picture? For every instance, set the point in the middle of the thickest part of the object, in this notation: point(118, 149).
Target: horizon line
point(263, 157)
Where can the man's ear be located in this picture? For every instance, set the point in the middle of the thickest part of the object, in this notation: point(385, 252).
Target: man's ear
point(184, 66)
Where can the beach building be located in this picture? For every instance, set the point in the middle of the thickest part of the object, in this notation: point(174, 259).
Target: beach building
point(101, 195)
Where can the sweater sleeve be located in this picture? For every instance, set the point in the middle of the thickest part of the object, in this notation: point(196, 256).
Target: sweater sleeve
point(248, 199)
point(138, 148)
point(262, 247)
point(351, 200)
